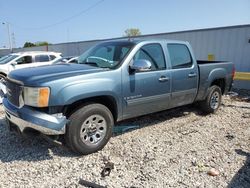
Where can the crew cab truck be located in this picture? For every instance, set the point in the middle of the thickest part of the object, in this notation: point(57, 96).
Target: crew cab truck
point(112, 81)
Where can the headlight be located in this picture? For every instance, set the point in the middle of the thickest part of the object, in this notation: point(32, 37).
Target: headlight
point(37, 97)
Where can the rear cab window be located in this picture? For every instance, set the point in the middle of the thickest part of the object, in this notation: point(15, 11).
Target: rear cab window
point(180, 56)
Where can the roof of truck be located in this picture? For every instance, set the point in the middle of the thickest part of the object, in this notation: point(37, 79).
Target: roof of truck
point(157, 40)
point(136, 41)
point(35, 52)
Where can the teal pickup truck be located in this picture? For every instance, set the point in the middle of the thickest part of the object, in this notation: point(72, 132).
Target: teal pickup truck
point(111, 82)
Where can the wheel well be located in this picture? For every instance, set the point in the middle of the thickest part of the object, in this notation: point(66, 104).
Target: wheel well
point(1, 73)
point(221, 83)
point(107, 101)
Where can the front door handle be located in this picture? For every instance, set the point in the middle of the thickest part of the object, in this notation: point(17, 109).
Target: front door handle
point(163, 79)
point(191, 75)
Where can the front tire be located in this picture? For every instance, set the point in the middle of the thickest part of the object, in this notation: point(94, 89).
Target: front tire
point(89, 129)
point(2, 78)
point(213, 100)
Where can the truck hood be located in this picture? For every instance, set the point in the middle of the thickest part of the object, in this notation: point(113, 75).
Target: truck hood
point(36, 75)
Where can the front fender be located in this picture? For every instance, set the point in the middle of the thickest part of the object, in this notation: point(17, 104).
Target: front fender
point(79, 90)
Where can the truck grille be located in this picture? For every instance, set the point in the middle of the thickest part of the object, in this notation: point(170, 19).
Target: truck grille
point(14, 91)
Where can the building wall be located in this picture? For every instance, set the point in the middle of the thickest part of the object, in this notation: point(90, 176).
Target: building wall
point(226, 43)
point(229, 44)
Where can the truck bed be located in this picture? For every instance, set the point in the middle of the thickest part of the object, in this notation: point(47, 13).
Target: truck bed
point(200, 62)
point(206, 69)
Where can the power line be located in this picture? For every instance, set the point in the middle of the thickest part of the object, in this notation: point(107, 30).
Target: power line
point(62, 21)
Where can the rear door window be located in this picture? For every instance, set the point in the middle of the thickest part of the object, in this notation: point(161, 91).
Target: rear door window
point(41, 58)
point(180, 56)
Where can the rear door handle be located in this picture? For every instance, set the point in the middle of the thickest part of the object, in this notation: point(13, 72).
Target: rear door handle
point(191, 75)
point(163, 79)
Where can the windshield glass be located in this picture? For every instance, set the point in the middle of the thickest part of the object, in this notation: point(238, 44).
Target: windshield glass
point(7, 58)
point(106, 55)
point(4, 57)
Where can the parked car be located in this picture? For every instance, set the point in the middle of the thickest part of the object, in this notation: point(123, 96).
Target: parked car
point(25, 59)
point(67, 59)
point(4, 57)
point(112, 82)
point(73, 60)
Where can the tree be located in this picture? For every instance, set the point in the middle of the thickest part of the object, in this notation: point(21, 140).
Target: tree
point(132, 32)
point(28, 44)
point(42, 43)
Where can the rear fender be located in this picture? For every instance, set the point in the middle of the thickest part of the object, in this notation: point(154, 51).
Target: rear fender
point(215, 74)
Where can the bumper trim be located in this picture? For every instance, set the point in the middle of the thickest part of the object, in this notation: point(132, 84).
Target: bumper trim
point(26, 117)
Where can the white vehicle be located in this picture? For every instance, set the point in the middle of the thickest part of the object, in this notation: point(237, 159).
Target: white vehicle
point(24, 60)
point(67, 59)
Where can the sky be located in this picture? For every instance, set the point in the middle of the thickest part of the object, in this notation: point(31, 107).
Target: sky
point(59, 21)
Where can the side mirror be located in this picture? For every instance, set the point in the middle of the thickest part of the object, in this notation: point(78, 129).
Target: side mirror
point(14, 63)
point(140, 65)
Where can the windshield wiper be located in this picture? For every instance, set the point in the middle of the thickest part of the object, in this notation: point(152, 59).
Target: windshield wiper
point(94, 64)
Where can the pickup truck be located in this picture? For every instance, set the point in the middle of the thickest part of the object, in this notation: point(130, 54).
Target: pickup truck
point(112, 81)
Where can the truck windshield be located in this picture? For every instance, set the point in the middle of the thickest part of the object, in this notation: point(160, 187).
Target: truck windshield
point(106, 55)
point(7, 58)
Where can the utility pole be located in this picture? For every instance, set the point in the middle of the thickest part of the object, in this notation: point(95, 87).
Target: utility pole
point(13, 40)
point(8, 30)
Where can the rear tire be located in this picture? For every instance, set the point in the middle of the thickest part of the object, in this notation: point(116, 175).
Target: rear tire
point(213, 100)
point(89, 129)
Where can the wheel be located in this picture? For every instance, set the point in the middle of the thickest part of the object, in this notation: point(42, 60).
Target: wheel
point(89, 129)
point(2, 78)
point(212, 101)
point(2, 87)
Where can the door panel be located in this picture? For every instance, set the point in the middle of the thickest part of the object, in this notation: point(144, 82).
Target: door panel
point(184, 88)
point(147, 92)
point(144, 93)
point(184, 75)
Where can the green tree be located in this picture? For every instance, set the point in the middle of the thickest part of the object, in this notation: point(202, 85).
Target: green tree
point(42, 43)
point(132, 32)
point(28, 44)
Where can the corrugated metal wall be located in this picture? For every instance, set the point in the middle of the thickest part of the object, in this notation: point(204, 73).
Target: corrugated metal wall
point(227, 43)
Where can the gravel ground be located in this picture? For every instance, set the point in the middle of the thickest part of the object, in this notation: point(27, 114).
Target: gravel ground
point(175, 148)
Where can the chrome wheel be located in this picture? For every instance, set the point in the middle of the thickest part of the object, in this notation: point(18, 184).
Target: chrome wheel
point(215, 100)
point(93, 130)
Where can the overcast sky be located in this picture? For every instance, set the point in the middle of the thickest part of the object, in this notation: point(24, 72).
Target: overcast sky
point(58, 21)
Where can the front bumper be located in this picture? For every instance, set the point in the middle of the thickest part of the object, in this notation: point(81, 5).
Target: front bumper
point(28, 118)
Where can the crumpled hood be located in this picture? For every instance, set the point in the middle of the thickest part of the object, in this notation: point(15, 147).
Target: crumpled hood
point(35, 75)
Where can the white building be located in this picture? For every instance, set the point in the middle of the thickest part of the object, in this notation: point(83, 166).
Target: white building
point(224, 43)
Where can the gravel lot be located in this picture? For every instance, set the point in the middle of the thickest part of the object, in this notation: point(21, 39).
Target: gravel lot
point(175, 148)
